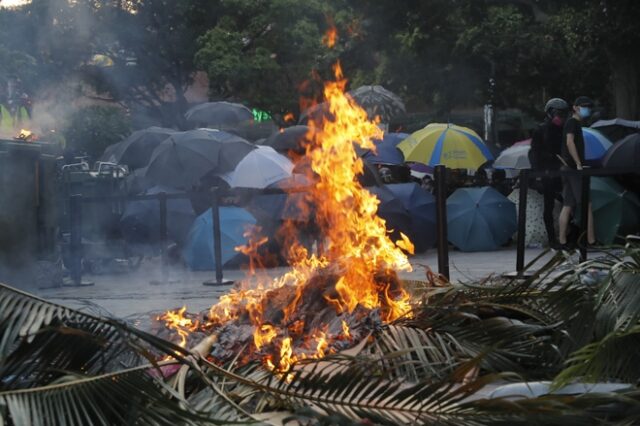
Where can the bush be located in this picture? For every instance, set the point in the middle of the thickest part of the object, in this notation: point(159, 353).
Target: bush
point(91, 129)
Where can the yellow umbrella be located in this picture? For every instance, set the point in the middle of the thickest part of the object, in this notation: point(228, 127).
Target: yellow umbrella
point(453, 146)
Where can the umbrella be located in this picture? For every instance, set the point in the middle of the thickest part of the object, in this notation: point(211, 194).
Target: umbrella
point(135, 151)
point(535, 231)
point(421, 206)
point(625, 154)
point(386, 150)
point(279, 207)
point(260, 168)
point(523, 142)
point(515, 157)
point(141, 218)
point(617, 128)
point(392, 210)
point(616, 211)
point(595, 144)
point(198, 251)
point(186, 157)
point(378, 101)
point(453, 146)
point(292, 138)
point(480, 219)
point(219, 114)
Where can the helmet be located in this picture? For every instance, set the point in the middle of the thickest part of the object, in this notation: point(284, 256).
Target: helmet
point(556, 103)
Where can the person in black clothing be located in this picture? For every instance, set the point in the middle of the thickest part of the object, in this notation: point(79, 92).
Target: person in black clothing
point(544, 155)
point(572, 154)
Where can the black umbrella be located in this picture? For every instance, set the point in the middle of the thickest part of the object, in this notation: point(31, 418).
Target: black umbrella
point(290, 139)
point(316, 113)
point(378, 101)
point(186, 157)
point(625, 154)
point(135, 151)
point(218, 114)
point(617, 128)
point(392, 210)
point(140, 220)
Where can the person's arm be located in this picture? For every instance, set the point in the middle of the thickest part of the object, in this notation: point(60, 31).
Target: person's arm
point(573, 151)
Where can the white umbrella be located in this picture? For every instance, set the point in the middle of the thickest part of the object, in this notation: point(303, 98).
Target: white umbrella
point(515, 157)
point(260, 168)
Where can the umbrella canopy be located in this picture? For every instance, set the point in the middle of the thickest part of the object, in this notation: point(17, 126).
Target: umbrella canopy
point(392, 210)
point(421, 206)
point(596, 144)
point(453, 146)
point(292, 138)
point(185, 157)
point(386, 150)
point(260, 168)
point(218, 114)
point(198, 251)
point(617, 128)
point(316, 113)
point(616, 211)
point(624, 153)
point(140, 220)
point(136, 150)
point(514, 157)
point(523, 142)
point(378, 102)
point(279, 207)
point(535, 231)
point(480, 219)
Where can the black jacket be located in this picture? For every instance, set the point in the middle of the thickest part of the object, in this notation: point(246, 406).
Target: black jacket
point(545, 147)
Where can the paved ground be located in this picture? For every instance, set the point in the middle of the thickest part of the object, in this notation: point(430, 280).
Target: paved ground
point(139, 292)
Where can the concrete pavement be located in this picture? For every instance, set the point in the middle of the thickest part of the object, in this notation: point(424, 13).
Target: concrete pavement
point(135, 294)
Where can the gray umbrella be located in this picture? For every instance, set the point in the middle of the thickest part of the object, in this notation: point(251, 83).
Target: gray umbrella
point(378, 101)
point(186, 157)
point(218, 114)
point(135, 151)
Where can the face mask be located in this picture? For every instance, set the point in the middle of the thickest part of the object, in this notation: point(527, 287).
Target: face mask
point(584, 112)
point(558, 121)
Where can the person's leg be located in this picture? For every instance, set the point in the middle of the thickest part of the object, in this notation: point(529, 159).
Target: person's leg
point(548, 193)
point(563, 224)
point(591, 234)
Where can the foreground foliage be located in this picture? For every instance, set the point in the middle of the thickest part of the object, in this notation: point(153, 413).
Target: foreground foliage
point(60, 366)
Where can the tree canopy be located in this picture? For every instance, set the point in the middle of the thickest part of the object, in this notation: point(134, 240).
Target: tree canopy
point(438, 55)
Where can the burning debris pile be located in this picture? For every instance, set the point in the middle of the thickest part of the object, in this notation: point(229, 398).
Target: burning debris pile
point(335, 294)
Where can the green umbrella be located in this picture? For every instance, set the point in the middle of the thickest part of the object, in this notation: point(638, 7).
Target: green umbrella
point(615, 210)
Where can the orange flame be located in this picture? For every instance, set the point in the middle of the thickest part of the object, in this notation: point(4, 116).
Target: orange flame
point(354, 248)
point(288, 117)
point(175, 320)
point(330, 37)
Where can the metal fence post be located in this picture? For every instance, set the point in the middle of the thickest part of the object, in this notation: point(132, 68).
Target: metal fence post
point(441, 220)
point(522, 220)
point(75, 238)
point(217, 239)
point(162, 199)
point(584, 214)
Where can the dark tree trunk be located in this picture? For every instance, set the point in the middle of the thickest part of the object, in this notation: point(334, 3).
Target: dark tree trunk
point(625, 78)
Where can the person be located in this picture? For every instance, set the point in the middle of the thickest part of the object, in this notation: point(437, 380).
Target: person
point(544, 155)
point(572, 155)
point(499, 182)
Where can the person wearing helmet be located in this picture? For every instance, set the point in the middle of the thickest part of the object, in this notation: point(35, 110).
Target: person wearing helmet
point(544, 155)
point(572, 155)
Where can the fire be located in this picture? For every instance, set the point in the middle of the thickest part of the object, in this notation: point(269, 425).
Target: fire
point(288, 117)
point(330, 37)
point(175, 320)
point(348, 273)
point(26, 135)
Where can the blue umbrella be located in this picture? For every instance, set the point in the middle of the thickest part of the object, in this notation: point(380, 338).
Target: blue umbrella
point(198, 251)
point(596, 144)
point(421, 206)
point(140, 220)
point(386, 151)
point(480, 219)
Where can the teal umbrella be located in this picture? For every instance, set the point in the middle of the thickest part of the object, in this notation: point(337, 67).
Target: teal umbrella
point(480, 219)
point(616, 211)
